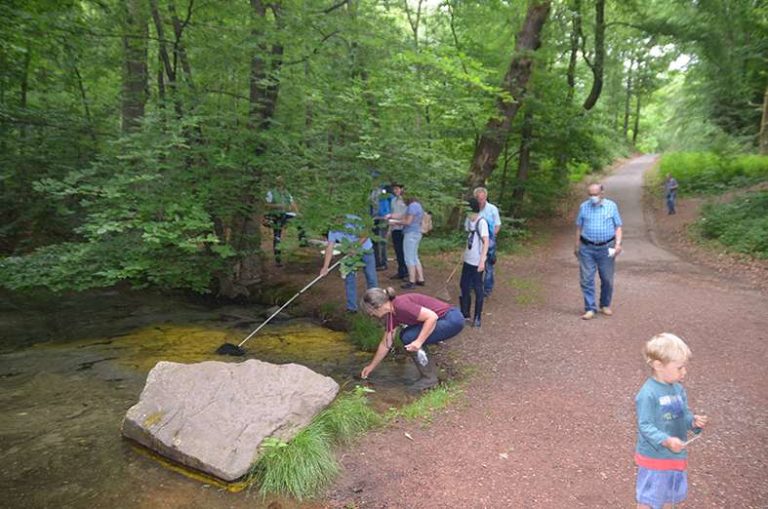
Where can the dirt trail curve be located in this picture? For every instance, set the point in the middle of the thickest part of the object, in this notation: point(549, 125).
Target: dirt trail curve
point(548, 420)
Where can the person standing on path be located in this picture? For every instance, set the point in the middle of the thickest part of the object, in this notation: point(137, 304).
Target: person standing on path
point(381, 205)
point(411, 222)
point(663, 421)
point(428, 320)
point(398, 210)
point(490, 213)
point(280, 209)
point(670, 190)
point(351, 233)
point(475, 255)
point(598, 242)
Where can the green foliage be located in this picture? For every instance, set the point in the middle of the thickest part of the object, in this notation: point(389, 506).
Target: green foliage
point(365, 332)
point(177, 202)
point(741, 225)
point(304, 466)
point(428, 403)
point(707, 172)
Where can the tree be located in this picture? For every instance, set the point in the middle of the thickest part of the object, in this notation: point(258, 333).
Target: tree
point(497, 129)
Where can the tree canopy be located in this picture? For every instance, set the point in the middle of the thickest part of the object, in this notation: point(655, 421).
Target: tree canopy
point(139, 137)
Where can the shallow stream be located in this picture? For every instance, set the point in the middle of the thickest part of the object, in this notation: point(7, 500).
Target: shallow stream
point(71, 367)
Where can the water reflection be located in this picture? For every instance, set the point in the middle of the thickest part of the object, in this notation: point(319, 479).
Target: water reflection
point(62, 400)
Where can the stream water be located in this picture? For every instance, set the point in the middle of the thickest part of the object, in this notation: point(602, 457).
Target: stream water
point(71, 367)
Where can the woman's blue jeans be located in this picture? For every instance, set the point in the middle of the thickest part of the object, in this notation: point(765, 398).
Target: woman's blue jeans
point(350, 282)
point(446, 327)
point(595, 259)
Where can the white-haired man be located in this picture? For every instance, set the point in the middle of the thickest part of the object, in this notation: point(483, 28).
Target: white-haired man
point(490, 213)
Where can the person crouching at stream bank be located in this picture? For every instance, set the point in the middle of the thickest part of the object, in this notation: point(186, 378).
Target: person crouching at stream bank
point(428, 320)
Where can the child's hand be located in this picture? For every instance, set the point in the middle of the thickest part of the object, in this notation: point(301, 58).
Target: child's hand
point(699, 421)
point(674, 444)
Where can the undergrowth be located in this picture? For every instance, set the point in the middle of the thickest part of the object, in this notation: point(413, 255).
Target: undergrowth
point(304, 466)
point(364, 332)
point(741, 225)
point(709, 173)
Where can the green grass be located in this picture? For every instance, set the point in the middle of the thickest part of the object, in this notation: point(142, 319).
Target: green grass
point(364, 332)
point(741, 225)
point(303, 467)
point(427, 404)
point(306, 465)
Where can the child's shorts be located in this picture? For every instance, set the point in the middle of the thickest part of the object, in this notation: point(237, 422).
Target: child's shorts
point(658, 487)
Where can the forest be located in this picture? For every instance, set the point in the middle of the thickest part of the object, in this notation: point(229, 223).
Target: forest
point(139, 137)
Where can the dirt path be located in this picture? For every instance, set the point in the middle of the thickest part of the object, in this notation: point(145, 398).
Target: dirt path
point(548, 421)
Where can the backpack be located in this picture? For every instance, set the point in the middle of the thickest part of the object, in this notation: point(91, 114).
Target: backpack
point(426, 222)
point(491, 256)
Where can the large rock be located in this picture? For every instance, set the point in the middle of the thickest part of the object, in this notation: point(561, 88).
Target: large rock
point(212, 416)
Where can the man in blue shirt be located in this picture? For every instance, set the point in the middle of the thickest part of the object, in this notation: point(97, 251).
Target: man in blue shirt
point(598, 242)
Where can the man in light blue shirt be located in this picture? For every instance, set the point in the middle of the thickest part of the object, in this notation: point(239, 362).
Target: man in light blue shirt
point(490, 213)
point(598, 242)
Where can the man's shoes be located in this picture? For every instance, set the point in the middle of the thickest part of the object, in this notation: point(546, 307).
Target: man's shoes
point(421, 283)
point(351, 311)
point(408, 285)
point(588, 315)
point(380, 268)
point(606, 311)
point(476, 323)
point(397, 276)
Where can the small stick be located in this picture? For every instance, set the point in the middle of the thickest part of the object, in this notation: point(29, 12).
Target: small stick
point(685, 444)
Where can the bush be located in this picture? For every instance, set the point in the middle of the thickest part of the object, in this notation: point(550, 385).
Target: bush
point(742, 224)
point(707, 172)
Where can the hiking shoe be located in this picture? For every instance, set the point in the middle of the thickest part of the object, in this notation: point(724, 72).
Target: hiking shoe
point(588, 315)
point(421, 283)
point(408, 285)
point(606, 311)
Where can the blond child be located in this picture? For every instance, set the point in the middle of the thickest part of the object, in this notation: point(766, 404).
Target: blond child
point(663, 421)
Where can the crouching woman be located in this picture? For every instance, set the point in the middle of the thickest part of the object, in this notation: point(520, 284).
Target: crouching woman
point(427, 320)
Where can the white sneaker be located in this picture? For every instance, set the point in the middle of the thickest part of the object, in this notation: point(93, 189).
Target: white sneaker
point(588, 315)
point(606, 311)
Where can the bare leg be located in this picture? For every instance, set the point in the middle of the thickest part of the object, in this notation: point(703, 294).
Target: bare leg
point(419, 273)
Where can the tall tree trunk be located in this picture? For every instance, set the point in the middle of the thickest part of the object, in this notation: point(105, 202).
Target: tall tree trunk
point(636, 128)
point(135, 64)
point(24, 91)
point(597, 66)
point(572, 59)
point(764, 125)
point(561, 167)
point(243, 232)
point(515, 81)
point(628, 97)
point(524, 162)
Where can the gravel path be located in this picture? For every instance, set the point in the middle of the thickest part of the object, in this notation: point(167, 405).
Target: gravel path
point(548, 419)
